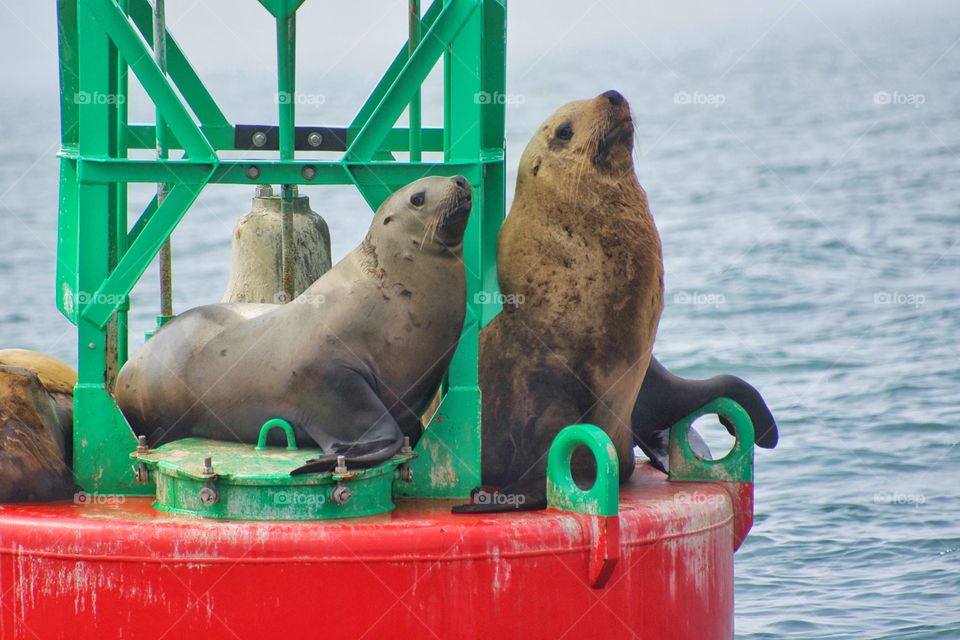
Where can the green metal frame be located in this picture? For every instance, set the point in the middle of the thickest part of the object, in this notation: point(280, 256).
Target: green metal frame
point(100, 261)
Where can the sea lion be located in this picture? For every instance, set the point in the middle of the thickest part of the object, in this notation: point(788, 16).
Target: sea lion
point(665, 399)
point(36, 419)
point(581, 256)
point(350, 363)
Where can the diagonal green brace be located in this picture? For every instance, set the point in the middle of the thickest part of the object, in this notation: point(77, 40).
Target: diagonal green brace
point(135, 51)
point(375, 194)
point(141, 252)
point(393, 71)
point(435, 41)
point(182, 73)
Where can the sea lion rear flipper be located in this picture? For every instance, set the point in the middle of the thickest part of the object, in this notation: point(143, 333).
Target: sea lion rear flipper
point(353, 423)
point(665, 399)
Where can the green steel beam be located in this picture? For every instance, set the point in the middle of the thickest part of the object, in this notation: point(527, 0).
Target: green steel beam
point(449, 454)
point(141, 253)
point(142, 220)
point(67, 217)
point(103, 171)
point(101, 438)
point(134, 50)
point(182, 73)
point(393, 71)
point(120, 332)
point(448, 23)
point(143, 136)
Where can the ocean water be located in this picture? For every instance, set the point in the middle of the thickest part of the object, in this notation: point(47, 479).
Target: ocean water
point(804, 174)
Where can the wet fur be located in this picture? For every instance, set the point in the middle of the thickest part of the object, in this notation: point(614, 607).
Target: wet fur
point(581, 250)
point(36, 418)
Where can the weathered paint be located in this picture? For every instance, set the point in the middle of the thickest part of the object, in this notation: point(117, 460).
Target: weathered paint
point(254, 482)
point(124, 569)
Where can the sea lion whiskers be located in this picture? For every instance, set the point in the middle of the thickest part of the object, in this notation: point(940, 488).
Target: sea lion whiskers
point(426, 230)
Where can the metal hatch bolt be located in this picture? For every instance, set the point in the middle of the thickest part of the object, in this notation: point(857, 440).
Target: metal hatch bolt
point(342, 494)
point(209, 495)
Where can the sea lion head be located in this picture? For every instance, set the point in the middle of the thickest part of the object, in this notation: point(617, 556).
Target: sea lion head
point(430, 214)
point(594, 135)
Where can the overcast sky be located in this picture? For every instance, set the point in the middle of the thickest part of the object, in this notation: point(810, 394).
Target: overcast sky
point(337, 35)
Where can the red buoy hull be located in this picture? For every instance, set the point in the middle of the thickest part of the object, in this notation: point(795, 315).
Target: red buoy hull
point(121, 569)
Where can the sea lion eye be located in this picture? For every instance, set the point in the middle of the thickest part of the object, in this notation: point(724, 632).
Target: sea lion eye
point(418, 199)
point(565, 131)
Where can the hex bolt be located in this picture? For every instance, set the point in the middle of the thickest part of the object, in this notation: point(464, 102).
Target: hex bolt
point(264, 191)
point(142, 444)
point(253, 172)
point(91, 346)
point(314, 139)
point(259, 139)
point(309, 172)
point(406, 448)
point(341, 467)
point(209, 495)
point(208, 466)
point(342, 494)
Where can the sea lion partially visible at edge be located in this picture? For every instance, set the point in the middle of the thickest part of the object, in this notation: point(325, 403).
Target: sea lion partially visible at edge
point(36, 419)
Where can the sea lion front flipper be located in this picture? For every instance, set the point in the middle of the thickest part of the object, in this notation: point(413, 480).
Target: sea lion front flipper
point(351, 421)
point(665, 399)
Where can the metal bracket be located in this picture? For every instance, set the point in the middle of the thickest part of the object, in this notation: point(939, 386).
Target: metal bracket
point(257, 137)
point(600, 501)
point(736, 466)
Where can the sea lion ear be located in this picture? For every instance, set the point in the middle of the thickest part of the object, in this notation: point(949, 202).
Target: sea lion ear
point(535, 169)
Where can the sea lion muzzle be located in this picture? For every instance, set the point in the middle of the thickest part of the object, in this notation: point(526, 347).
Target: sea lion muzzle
point(453, 223)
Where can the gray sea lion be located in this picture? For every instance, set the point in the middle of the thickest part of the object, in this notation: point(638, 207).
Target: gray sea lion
point(350, 363)
point(581, 255)
point(665, 399)
point(36, 419)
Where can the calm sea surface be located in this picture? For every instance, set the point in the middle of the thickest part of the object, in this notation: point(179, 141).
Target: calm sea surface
point(807, 190)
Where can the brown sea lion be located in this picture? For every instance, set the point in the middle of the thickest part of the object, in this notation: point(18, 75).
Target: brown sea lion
point(350, 363)
point(36, 419)
point(580, 255)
